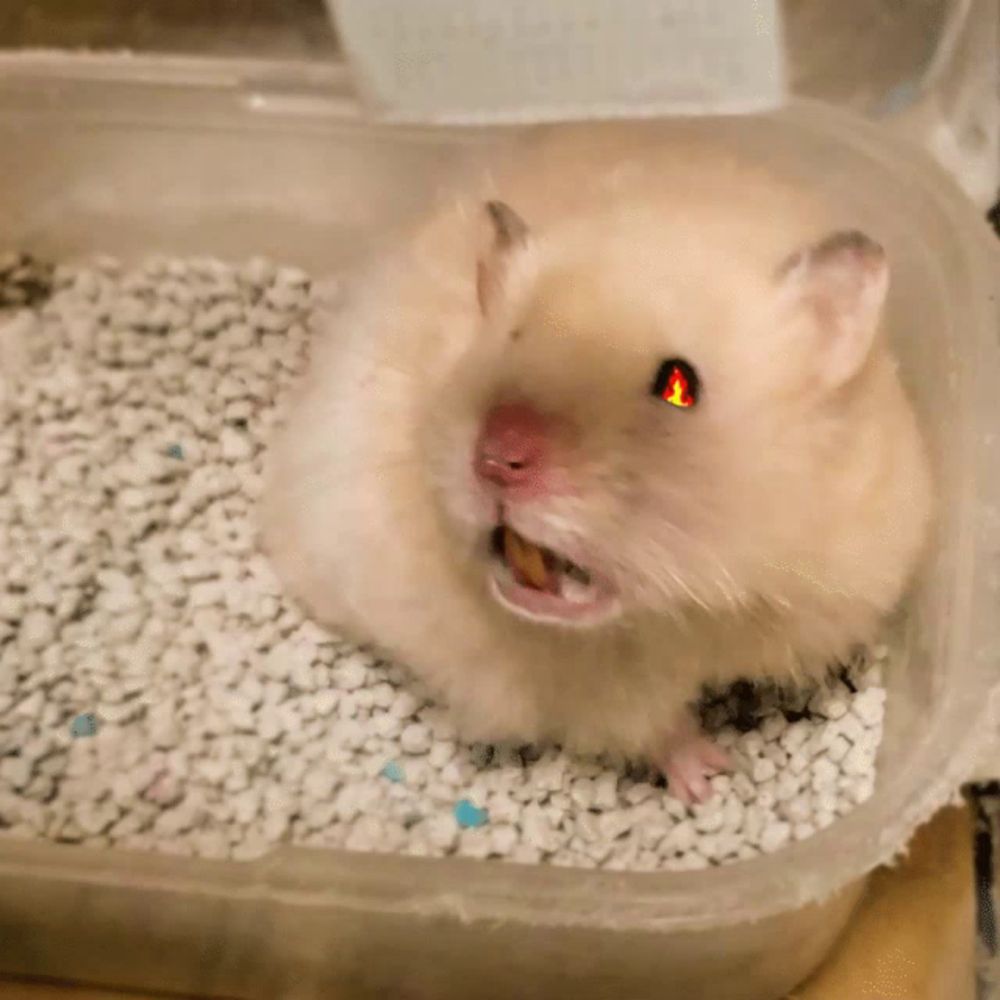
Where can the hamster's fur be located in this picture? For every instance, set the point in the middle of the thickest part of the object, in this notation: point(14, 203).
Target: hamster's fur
point(765, 531)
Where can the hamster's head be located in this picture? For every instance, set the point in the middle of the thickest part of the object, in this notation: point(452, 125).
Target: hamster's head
point(647, 422)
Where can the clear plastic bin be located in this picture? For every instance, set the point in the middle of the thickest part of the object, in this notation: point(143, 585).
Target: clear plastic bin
point(135, 155)
point(929, 69)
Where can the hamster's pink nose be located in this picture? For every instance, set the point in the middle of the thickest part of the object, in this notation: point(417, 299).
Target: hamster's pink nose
point(511, 447)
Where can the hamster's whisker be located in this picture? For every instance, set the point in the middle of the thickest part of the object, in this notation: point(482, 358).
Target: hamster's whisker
point(313, 479)
point(379, 363)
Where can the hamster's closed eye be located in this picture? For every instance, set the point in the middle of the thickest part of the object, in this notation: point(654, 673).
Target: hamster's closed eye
point(677, 383)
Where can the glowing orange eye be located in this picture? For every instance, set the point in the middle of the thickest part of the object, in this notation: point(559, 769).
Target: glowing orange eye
point(676, 383)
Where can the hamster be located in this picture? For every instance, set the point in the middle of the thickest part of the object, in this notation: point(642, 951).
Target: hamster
point(617, 420)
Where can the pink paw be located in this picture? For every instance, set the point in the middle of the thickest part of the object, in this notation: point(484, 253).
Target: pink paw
point(688, 761)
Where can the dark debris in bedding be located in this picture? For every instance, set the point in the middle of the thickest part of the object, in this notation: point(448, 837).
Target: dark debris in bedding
point(25, 282)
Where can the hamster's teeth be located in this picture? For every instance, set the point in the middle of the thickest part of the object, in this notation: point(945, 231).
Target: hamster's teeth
point(574, 590)
point(526, 558)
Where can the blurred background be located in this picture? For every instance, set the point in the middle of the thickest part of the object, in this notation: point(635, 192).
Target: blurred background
point(839, 49)
point(273, 28)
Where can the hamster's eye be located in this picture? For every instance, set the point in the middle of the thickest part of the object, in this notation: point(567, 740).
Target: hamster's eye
point(676, 383)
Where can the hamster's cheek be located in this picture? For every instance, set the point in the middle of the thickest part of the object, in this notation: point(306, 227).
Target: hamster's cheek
point(451, 480)
point(470, 511)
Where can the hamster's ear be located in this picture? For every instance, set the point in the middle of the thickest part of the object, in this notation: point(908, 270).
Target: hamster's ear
point(509, 235)
point(842, 281)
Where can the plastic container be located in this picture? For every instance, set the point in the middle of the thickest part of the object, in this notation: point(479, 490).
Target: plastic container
point(136, 155)
point(929, 69)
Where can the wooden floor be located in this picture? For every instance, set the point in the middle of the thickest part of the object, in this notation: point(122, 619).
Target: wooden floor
point(912, 938)
point(287, 29)
point(20, 990)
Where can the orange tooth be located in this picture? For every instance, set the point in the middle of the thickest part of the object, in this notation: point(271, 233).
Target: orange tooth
point(527, 558)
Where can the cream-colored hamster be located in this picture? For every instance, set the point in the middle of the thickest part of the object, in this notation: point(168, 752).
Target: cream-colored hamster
point(617, 421)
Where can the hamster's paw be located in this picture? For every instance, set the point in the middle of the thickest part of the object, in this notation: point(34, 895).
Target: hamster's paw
point(688, 759)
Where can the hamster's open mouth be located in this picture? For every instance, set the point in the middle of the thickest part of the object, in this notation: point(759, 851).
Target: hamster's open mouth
point(537, 583)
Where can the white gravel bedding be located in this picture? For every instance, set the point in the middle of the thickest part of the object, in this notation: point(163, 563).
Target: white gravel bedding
point(157, 691)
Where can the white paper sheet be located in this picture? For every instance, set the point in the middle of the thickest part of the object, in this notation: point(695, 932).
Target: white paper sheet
point(516, 61)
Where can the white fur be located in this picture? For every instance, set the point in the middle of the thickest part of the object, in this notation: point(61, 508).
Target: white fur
point(766, 531)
